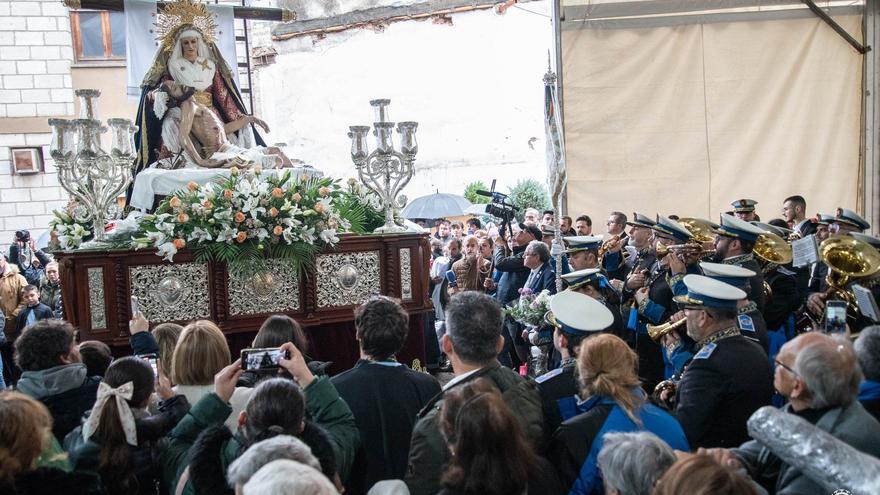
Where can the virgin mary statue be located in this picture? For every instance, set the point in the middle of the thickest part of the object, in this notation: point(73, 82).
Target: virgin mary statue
point(188, 56)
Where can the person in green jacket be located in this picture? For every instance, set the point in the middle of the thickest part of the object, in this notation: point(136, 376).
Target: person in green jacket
point(472, 342)
point(275, 407)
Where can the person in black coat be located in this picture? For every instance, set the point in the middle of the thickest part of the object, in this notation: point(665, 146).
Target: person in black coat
point(729, 377)
point(576, 317)
point(384, 395)
point(53, 373)
point(514, 274)
point(30, 260)
point(33, 311)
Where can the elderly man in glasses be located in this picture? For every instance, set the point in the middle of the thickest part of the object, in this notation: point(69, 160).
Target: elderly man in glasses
point(820, 376)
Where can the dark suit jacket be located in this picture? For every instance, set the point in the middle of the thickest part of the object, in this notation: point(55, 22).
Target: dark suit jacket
point(42, 312)
point(513, 273)
point(545, 279)
point(385, 401)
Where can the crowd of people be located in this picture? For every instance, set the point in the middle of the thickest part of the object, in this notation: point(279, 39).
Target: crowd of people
point(659, 350)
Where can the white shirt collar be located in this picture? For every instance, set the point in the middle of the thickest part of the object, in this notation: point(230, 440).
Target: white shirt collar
point(459, 378)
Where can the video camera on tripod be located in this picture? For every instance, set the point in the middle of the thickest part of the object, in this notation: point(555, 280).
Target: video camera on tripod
point(499, 207)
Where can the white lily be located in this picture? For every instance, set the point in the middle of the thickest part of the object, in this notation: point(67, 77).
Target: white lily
point(167, 251)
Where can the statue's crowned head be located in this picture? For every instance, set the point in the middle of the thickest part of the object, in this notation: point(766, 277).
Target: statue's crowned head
point(190, 44)
point(181, 19)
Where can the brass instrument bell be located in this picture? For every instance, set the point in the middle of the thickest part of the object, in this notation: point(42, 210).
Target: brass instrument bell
point(702, 230)
point(847, 258)
point(657, 332)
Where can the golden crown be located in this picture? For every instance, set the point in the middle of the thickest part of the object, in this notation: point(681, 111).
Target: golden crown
point(184, 13)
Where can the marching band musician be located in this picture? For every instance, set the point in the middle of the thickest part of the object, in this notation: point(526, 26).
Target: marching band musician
point(654, 303)
point(734, 243)
point(749, 320)
point(845, 222)
point(784, 297)
point(576, 317)
point(616, 265)
point(593, 283)
point(744, 209)
point(729, 377)
point(583, 251)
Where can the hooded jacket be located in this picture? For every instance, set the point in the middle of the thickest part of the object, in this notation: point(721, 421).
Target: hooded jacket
point(67, 391)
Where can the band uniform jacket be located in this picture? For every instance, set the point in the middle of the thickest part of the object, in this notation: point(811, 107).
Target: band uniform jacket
point(725, 382)
point(756, 282)
point(784, 298)
point(553, 386)
point(658, 309)
point(752, 326)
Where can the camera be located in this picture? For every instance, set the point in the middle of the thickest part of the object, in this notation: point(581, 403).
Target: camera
point(262, 359)
point(499, 207)
point(23, 235)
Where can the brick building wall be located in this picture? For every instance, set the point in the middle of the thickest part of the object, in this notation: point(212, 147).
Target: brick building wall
point(35, 84)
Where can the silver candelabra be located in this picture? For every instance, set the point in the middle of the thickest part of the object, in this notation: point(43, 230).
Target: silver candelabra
point(93, 177)
point(385, 171)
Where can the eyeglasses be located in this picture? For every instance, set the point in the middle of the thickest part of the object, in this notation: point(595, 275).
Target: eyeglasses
point(784, 366)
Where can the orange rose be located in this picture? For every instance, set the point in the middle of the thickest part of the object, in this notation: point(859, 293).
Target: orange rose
point(324, 191)
point(179, 243)
point(227, 193)
point(241, 237)
point(174, 202)
point(207, 204)
point(192, 186)
point(182, 218)
point(277, 192)
point(273, 212)
point(239, 217)
point(319, 207)
point(277, 230)
point(296, 197)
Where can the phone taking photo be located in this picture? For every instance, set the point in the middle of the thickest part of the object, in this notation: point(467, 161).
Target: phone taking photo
point(835, 317)
point(262, 359)
point(153, 359)
point(135, 306)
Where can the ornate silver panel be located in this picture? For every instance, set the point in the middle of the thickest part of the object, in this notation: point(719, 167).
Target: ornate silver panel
point(347, 279)
point(272, 290)
point(97, 310)
point(177, 291)
point(405, 275)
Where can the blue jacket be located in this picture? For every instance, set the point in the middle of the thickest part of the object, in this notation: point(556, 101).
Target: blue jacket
point(513, 273)
point(575, 447)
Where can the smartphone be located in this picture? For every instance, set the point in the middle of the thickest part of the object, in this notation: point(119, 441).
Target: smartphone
point(153, 360)
point(135, 307)
point(835, 317)
point(262, 359)
point(450, 276)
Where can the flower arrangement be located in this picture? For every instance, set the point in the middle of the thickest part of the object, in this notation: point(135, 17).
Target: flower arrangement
point(70, 228)
point(530, 308)
point(249, 216)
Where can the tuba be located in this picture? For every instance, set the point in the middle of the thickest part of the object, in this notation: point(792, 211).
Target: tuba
point(703, 232)
point(847, 258)
point(771, 251)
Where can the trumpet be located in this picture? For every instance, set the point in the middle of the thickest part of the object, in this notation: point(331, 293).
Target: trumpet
point(684, 251)
point(657, 332)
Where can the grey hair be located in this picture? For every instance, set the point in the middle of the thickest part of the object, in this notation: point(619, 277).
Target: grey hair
point(868, 352)
point(261, 453)
point(632, 462)
point(286, 477)
point(830, 371)
point(539, 249)
point(473, 323)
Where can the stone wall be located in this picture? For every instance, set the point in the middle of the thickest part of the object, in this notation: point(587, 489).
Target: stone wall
point(35, 84)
